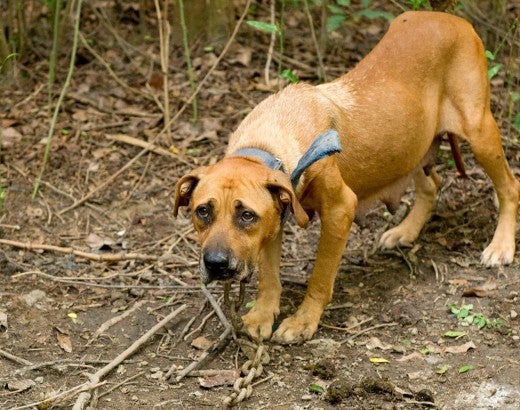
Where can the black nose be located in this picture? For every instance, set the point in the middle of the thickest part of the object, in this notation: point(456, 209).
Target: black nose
point(217, 264)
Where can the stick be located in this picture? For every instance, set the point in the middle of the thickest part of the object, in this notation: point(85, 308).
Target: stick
point(86, 255)
point(95, 378)
point(14, 358)
point(111, 322)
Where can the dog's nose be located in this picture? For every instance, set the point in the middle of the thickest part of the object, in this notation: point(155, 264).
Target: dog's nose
point(217, 264)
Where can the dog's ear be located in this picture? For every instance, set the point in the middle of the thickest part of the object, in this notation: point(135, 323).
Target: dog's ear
point(281, 186)
point(184, 188)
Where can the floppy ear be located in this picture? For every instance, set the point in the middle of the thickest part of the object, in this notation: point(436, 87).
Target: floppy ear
point(281, 186)
point(184, 188)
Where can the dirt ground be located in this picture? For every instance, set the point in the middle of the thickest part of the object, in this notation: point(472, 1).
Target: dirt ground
point(384, 341)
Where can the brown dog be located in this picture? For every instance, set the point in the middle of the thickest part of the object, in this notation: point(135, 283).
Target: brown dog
point(427, 77)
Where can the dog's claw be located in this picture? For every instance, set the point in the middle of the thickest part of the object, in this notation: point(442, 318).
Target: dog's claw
point(295, 329)
point(396, 237)
point(259, 323)
point(498, 254)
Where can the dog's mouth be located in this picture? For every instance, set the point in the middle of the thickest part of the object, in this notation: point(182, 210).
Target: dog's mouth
point(237, 271)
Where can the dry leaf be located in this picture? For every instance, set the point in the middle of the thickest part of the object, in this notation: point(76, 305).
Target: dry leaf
point(411, 356)
point(64, 342)
point(201, 343)
point(460, 348)
point(225, 378)
point(481, 291)
point(20, 385)
point(375, 343)
point(10, 136)
point(97, 242)
point(458, 282)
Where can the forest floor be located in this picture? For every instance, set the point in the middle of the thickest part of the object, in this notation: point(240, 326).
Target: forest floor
point(384, 339)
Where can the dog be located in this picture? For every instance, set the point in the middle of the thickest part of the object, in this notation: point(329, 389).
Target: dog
point(426, 78)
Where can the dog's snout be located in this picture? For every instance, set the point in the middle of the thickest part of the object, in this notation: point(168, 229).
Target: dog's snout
point(218, 264)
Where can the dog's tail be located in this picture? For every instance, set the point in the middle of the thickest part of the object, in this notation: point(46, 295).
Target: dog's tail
point(455, 151)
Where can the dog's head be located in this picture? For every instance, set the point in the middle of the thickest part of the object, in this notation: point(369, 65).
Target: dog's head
point(237, 206)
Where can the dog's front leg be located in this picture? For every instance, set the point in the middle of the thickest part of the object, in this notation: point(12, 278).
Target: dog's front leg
point(336, 214)
point(259, 320)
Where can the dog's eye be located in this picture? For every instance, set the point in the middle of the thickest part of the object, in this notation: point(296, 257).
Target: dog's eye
point(248, 216)
point(202, 212)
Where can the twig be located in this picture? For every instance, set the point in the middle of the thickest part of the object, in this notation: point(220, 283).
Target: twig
point(129, 379)
point(85, 44)
point(322, 74)
point(95, 378)
point(368, 329)
point(127, 139)
point(218, 310)
point(111, 322)
point(60, 99)
point(194, 365)
point(164, 53)
point(188, 59)
point(71, 251)
point(347, 329)
point(177, 115)
point(271, 44)
point(14, 358)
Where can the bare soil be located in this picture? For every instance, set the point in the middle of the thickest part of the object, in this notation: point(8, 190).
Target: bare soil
point(387, 305)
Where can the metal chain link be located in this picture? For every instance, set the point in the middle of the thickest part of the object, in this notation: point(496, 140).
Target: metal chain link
point(254, 366)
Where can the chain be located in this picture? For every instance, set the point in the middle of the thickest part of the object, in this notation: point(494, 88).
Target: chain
point(257, 354)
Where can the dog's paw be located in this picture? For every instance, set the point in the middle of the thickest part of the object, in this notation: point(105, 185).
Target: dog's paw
point(295, 329)
point(397, 237)
point(259, 323)
point(497, 254)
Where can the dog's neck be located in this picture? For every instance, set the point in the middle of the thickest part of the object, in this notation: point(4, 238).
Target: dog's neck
point(323, 146)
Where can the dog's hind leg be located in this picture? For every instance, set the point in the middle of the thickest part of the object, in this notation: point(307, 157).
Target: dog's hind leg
point(484, 139)
point(426, 187)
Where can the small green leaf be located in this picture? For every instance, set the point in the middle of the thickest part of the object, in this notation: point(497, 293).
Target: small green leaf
point(454, 334)
point(406, 343)
point(317, 389)
point(375, 14)
point(493, 71)
point(289, 75)
point(515, 96)
point(250, 304)
point(465, 368)
point(490, 56)
point(345, 3)
point(335, 9)
point(260, 25)
point(425, 351)
point(334, 22)
point(443, 369)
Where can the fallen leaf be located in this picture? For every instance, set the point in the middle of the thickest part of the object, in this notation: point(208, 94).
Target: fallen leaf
point(225, 378)
point(460, 349)
point(97, 242)
point(20, 385)
point(454, 334)
point(465, 368)
point(201, 343)
point(10, 136)
point(481, 291)
point(375, 343)
point(443, 369)
point(411, 356)
point(64, 342)
point(378, 360)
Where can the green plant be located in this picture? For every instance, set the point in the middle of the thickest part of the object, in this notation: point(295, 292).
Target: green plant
point(468, 317)
point(339, 13)
point(419, 4)
point(54, 119)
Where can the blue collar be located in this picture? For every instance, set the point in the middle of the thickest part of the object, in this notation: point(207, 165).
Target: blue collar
point(323, 146)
